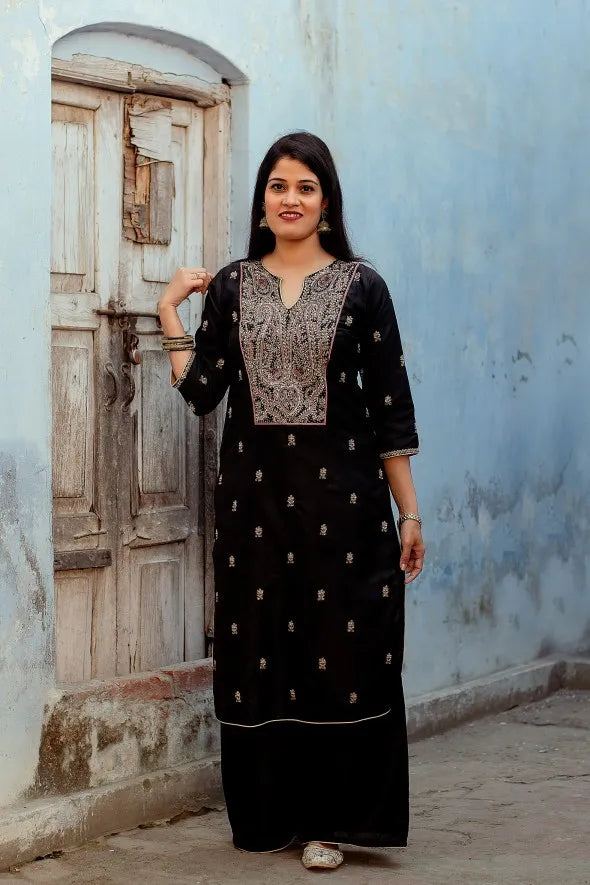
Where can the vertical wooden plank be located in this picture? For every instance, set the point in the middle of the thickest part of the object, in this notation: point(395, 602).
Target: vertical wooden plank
point(194, 210)
point(69, 393)
point(109, 193)
point(107, 227)
point(153, 631)
point(72, 239)
point(104, 624)
point(216, 186)
point(73, 625)
point(161, 613)
point(216, 254)
point(73, 416)
point(78, 226)
point(160, 451)
point(58, 175)
point(161, 201)
point(194, 623)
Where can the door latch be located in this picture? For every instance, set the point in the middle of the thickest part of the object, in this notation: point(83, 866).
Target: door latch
point(127, 320)
point(131, 345)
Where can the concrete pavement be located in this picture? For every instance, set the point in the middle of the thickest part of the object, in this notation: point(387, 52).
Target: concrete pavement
point(501, 801)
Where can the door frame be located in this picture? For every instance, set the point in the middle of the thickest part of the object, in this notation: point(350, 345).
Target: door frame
point(214, 98)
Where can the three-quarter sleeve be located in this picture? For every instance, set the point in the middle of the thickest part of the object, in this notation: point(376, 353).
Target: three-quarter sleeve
point(205, 378)
point(384, 376)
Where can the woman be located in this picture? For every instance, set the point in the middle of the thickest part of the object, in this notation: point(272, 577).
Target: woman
point(309, 616)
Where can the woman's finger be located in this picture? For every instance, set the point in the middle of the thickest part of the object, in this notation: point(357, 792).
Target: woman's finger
point(196, 275)
point(200, 281)
point(406, 554)
point(414, 567)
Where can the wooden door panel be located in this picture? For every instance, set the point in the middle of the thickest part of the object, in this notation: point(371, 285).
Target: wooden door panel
point(73, 385)
point(73, 625)
point(73, 185)
point(77, 532)
point(158, 263)
point(75, 311)
point(85, 150)
point(152, 609)
point(84, 611)
point(161, 457)
point(165, 485)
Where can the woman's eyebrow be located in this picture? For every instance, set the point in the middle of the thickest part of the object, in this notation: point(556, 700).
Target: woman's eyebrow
point(301, 180)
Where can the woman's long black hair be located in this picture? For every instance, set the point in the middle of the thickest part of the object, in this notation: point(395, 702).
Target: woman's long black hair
point(313, 153)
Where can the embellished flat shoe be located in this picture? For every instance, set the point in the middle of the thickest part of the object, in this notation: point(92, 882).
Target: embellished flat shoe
point(317, 857)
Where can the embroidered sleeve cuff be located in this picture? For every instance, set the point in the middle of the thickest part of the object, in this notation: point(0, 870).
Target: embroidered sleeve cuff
point(397, 452)
point(176, 382)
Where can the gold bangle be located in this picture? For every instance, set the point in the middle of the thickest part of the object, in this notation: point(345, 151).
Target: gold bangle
point(181, 342)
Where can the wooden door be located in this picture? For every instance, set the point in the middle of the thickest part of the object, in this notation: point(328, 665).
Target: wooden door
point(160, 598)
point(127, 459)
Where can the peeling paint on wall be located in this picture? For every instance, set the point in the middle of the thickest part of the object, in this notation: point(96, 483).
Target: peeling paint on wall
point(29, 57)
point(26, 614)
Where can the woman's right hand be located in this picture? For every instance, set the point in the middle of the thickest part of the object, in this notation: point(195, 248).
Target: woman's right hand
point(185, 281)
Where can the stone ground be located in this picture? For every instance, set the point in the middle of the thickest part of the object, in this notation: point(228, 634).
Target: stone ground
point(502, 801)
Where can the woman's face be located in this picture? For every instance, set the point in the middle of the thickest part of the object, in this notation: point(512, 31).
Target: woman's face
point(293, 200)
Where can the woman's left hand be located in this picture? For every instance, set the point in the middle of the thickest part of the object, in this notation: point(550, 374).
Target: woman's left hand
point(412, 558)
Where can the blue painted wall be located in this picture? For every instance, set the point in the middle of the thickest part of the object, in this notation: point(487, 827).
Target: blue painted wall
point(461, 131)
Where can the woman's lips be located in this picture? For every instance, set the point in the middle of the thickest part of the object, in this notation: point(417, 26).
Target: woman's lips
point(290, 216)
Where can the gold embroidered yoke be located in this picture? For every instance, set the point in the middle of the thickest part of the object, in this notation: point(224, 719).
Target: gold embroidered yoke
point(309, 617)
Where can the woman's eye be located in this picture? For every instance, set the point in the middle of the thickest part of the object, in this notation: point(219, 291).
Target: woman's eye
point(307, 188)
point(276, 186)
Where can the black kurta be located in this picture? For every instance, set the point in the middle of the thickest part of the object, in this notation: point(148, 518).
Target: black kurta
point(309, 615)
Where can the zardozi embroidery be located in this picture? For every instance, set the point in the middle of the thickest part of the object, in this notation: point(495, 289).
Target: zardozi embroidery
point(286, 351)
point(395, 452)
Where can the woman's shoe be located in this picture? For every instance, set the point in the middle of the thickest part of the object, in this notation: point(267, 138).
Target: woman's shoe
point(317, 857)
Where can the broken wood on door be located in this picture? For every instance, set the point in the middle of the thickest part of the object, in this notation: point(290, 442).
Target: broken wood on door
point(148, 191)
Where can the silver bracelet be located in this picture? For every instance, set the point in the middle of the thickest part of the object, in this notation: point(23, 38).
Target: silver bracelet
point(404, 516)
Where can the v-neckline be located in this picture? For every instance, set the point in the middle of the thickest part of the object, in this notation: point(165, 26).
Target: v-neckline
point(303, 285)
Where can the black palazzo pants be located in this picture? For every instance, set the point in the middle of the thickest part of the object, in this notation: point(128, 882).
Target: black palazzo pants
point(286, 781)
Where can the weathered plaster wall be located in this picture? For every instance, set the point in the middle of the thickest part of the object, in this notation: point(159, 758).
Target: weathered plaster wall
point(26, 564)
point(99, 733)
point(461, 133)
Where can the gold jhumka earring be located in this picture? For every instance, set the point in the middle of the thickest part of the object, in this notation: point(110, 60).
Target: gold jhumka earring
point(323, 226)
point(263, 222)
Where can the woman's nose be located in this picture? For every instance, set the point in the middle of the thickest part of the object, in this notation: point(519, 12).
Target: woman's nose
point(290, 198)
